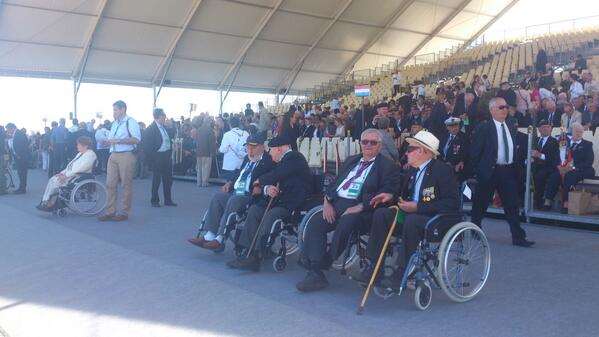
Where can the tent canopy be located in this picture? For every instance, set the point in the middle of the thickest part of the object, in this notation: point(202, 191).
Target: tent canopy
point(259, 45)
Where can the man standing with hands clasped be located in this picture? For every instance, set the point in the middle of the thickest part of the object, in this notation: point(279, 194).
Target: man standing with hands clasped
point(123, 139)
point(158, 140)
point(492, 155)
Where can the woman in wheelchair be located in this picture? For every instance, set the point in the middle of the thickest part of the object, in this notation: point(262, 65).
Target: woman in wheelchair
point(82, 163)
point(430, 189)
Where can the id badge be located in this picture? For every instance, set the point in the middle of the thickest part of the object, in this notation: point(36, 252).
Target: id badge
point(354, 190)
point(240, 190)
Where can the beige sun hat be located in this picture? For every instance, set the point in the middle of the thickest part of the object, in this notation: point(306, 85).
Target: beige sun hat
point(426, 140)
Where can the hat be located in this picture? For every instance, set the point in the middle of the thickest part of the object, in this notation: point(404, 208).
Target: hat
point(452, 121)
point(255, 139)
point(280, 140)
point(426, 140)
point(543, 122)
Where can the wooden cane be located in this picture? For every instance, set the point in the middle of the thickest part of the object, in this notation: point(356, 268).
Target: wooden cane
point(378, 262)
point(253, 244)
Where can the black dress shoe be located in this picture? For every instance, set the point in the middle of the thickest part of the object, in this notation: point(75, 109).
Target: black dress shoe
point(523, 243)
point(314, 280)
point(170, 203)
point(252, 264)
point(155, 204)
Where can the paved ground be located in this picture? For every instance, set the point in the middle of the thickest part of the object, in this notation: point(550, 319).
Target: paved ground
point(75, 276)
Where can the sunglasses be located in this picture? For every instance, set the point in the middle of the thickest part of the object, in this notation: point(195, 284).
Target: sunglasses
point(369, 142)
point(412, 149)
point(501, 107)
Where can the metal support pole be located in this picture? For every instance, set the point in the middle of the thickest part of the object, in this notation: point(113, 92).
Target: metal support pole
point(155, 96)
point(220, 109)
point(527, 202)
point(75, 93)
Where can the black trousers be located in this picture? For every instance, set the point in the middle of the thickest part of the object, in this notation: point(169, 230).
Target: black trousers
point(162, 168)
point(504, 180)
point(59, 153)
point(412, 232)
point(544, 188)
point(22, 167)
point(315, 240)
point(571, 178)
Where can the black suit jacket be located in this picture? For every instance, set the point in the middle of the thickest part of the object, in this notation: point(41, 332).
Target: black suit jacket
point(457, 151)
point(383, 178)
point(551, 151)
point(437, 120)
point(583, 158)
point(264, 165)
point(294, 178)
point(439, 192)
point(483, 149)
point(20, 145)
point(152, 140)
point(556, 121)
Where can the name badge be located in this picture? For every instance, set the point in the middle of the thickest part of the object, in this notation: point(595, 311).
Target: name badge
point(240, 190)
point(354, 190)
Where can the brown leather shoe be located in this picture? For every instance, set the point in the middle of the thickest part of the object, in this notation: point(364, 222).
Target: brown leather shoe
point(212, 245)
point(197, 241)
point(120, 217)
point(106, 217)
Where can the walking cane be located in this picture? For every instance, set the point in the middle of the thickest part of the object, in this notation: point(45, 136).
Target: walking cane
point(253, 244)
point(378, 262)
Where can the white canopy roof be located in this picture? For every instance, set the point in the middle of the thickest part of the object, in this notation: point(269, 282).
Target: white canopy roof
point(202, 43)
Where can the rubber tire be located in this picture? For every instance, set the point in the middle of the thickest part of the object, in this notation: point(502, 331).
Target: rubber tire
point(443, 247)
point(279, 264)
point(98, 186)
point(423, 296)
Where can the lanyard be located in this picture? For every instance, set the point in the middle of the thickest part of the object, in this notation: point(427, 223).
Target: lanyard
point(361, 169)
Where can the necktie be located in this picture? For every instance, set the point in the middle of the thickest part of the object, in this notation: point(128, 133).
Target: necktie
point(416, 176)
point(247, 171)
point(363, 166)
point(551, 119)
point(506, 148)
point(568, 126)
point(447, 145)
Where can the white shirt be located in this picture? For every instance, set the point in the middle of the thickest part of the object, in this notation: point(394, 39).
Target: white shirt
point(576, 90)
point(542, 142)
point(396, 79)
point(335, 104)
point(248, 178)
point(125, 128)
point(101, 136)
point(233, 148)
point(166, 141)
point(501, 160)
point(421, 91)
point(544, 93)
point(344, 193)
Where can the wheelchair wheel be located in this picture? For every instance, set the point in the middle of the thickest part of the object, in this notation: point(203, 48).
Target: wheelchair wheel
point(351, 262)
point(423, 295)
point(464, 262)
point(88, 197)
point(279, 264)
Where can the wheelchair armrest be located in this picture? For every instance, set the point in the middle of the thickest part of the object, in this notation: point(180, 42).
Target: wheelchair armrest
point(442, 221)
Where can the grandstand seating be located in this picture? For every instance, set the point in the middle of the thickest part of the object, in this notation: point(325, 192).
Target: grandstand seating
point(501, 61)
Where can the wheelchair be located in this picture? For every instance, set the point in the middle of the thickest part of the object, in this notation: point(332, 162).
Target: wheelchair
point(454, 256)
point(83, 195)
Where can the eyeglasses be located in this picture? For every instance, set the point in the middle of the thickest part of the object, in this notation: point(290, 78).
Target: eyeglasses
point(501, 107)
point(369, 142)
point(412, 149)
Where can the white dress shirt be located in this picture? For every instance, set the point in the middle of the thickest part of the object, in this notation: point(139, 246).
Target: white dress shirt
point(232, 146)
point(101, 136)
point(166, 140)
point(345, 193)
point(418, 181)
point(122, 129)
point(501, 160)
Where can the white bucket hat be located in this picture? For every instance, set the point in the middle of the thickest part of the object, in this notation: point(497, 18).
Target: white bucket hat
point(426, 140)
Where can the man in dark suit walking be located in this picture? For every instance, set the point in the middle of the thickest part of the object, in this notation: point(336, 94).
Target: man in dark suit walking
point(236, 194)
point(430, 188)
point(19, 147)
point(493, 155)
point(546, 159)
point(348, 206)
point(454, 148)
point(289, 184)
point(157, 145)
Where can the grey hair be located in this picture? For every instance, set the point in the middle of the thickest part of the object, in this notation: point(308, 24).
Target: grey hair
point(577, 126)
point(374, 132)
point(493, 102)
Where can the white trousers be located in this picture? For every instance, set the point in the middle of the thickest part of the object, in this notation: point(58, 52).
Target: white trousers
point(52, 188)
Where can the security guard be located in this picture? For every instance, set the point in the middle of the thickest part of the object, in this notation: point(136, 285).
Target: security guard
point(454, 148)
point(430, 189)
point(292, 176)
point(545, 161)
point(236, 194)
point(348, 206)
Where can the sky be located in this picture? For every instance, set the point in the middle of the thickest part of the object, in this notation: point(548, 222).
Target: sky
point(27, 101)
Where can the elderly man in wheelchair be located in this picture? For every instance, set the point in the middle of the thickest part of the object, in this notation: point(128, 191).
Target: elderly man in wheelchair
point(230, 204)
point(348, 207)
point(81, 165)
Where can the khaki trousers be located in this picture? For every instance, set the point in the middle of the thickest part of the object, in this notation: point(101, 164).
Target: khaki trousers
point(120, 168)
point(203, 167)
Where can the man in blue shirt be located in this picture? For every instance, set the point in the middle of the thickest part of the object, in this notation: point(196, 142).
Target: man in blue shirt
point(58, 140)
